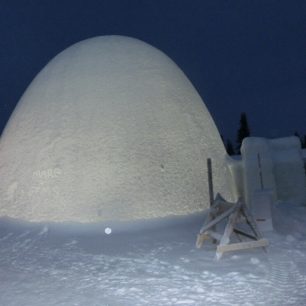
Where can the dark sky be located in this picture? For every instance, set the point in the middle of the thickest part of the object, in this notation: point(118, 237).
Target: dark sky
point(241, 55)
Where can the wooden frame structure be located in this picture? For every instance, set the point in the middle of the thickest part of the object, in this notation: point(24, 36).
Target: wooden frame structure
point(235, 213)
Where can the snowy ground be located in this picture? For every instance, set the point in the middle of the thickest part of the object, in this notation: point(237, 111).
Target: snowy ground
point(42, 265)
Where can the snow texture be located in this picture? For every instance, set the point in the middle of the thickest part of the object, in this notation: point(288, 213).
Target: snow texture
point(289, 169)
point(41, 264)
point(258, 168)
point(274, 164)
point(110, 129)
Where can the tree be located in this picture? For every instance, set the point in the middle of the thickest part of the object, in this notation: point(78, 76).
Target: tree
point(299, 137)
point(229, 148)
point(304, 142)
point(243, 131)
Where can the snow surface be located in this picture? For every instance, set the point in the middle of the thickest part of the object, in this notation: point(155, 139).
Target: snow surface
point(49, 264)
point(110, 129)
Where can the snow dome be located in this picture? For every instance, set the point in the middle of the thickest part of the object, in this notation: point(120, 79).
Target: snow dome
point(110, 129)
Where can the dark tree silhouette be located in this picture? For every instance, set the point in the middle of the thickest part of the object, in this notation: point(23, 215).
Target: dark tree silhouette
point(229, 148)
point(297, 134)
point(299, 137)
point(304, 142)
point(243, 131)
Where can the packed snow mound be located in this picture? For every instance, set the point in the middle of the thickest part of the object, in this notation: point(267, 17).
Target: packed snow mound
point(110, 129)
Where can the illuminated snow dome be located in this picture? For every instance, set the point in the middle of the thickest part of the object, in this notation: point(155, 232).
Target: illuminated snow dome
point(111, 129)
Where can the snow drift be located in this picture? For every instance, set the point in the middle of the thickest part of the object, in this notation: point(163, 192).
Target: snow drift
point(110, 129)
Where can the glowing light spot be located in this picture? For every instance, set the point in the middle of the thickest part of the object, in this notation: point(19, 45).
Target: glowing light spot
point(108, 231)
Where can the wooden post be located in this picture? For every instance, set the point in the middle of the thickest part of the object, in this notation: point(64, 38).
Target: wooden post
point(210, 182)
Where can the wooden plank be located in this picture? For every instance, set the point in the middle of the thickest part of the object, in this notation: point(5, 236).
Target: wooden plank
point(243, 233)
point(228, 231)
point(219, 200)
point(220, 218)
point(210, 213)
point(250, 221)
point(210, 182)
point(214, 235)
point(242, 245)
point(200, 240)
point(206, 236)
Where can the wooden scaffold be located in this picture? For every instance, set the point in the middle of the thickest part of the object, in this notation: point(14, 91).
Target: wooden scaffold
point(238, 220)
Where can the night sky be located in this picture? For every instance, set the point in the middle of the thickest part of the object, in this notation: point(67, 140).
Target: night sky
point(241, 55)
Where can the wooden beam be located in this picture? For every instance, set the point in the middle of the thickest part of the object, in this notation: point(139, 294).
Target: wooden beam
point(214, 235)
point(242, 245)
point(201, 239)
point(225, 240)
point(220, 217)
point(240, 232)
point(210, 182)
point(250, 221)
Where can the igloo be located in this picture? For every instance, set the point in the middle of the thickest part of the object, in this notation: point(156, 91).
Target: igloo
point(110, 129)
